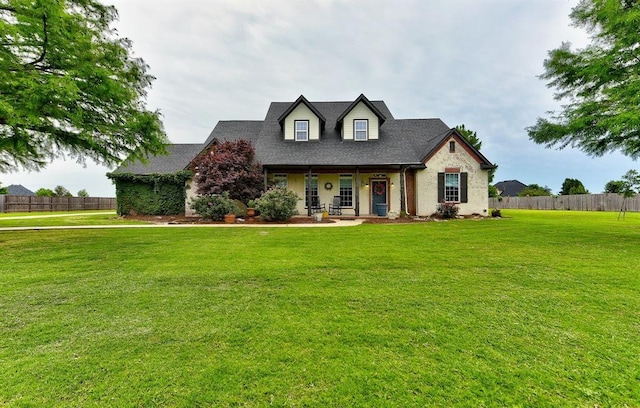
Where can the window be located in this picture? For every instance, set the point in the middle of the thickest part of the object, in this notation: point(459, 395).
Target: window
point(452, 147)
point(314, 188)
point(302, 130)
point(361, 129)
point(452, 187)
point(280, 180)
point(346, 190)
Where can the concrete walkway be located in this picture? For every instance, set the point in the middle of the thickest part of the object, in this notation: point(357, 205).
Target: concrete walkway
point(337, 223)
point(26, 217)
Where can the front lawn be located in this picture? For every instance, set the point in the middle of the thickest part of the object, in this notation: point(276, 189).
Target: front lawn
point(540, 309)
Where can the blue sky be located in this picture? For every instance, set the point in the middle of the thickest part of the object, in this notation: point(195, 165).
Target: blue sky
point(465, 61)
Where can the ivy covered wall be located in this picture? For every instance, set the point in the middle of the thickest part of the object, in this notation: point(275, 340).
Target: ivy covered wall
point(151, 194)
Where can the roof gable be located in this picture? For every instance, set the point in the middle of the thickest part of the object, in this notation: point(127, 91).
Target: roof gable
point(355, 103)
point(295, 104)
point(485, 164)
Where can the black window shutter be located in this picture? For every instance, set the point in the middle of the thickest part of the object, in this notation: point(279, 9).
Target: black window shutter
point(440, 187)
point(464, 197)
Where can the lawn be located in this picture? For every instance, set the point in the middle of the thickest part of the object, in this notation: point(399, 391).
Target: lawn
point(47, 219)
point(538, 309)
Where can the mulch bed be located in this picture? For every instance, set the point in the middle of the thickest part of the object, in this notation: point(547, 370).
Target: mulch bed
point(177, 219)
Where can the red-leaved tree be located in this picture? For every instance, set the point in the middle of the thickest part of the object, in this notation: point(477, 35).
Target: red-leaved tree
point(229, 166)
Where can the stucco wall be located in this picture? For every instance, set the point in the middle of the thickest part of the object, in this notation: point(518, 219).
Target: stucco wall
point(360, 111)
point(427, 181)
point(191, 194)
point(301, 112)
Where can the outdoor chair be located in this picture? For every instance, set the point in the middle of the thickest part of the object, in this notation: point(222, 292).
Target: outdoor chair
point(335, 208)
point(316, 207)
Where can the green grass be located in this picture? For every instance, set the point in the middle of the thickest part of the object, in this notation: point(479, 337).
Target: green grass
point(50, 219)
point(540, 309)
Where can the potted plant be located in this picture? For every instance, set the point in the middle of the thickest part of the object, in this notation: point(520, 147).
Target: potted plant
point(251, 208)
point(230, 218)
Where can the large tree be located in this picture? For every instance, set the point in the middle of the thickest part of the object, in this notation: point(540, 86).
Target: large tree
point(229, 166)
point(599, 84)
point(69, 86)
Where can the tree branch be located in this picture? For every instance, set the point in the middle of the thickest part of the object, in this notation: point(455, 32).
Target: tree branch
point(45, 42)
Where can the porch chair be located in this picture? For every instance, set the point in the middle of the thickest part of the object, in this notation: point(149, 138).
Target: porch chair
point(316, 207)
point(335, 208)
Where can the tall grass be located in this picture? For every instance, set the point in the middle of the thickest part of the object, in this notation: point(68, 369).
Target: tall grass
point(540, 309)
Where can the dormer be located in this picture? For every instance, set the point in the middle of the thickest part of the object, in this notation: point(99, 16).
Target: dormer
point(301, 122)
point(361, 121)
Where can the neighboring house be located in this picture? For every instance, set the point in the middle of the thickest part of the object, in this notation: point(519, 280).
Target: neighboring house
point(355, 150)
point(18, 189)
point(509, 188)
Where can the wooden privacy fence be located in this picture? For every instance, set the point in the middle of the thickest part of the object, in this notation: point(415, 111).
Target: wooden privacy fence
point(15, 203)
point(578, 202)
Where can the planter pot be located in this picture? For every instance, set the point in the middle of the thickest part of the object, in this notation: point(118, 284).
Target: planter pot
point(230, 218)
point(317, 217)
point(251, 212)
point(392, 215)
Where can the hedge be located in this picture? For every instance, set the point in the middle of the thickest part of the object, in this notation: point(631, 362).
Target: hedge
point(151, 194)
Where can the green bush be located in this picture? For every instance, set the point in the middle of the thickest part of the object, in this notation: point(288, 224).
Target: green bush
point(277, 204)
point(151, 194)
point(447, 210)
point(214, 206)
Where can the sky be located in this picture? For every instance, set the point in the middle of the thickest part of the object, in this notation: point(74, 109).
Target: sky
point(471, 62)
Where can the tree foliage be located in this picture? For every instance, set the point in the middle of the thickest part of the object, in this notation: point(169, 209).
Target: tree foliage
point(572, 186)
point(600, 84)
point(70, 87)
point(83, 193)
point(44, 192)
point(614, 186)
point(229, 166)
point(3, 190)
point(535, 190)
point(61, 191)
point(630, 183)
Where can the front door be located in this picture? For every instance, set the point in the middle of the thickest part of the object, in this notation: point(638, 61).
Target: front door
point(378, 194)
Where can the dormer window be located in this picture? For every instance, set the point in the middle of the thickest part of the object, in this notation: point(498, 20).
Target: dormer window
point(302, 130)
point(361, 129)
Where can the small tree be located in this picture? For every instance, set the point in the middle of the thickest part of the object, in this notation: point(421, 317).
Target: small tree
point(3, 190)
point(83, 193)
point(229, 166)
point(45, 192)
point(61, 191)
point(631, 184)
point(572, 186)
point(533, 190)
point(614, 186)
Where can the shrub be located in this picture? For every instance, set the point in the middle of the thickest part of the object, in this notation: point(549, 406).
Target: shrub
point(277, 204)
point(213, 206)
point(447, 210)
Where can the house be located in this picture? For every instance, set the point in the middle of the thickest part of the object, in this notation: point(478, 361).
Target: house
point(18, 189)
point(509, 188)
point(354, 150)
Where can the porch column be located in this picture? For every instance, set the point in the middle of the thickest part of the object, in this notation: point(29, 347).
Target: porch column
point(403, 193)
point(309, 192)
point(357, 207)
point(265, 175)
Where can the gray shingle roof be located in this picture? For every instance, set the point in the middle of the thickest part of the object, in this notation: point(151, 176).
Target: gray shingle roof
point(178, 158)
point(19, 189)
point(401, 141)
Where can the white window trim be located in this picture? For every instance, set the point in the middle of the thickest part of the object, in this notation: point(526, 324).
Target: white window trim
point(445, 188)
point(366, 130)
point(305, 132)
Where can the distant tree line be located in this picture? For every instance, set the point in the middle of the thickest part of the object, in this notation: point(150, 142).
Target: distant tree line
point(59, 191)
